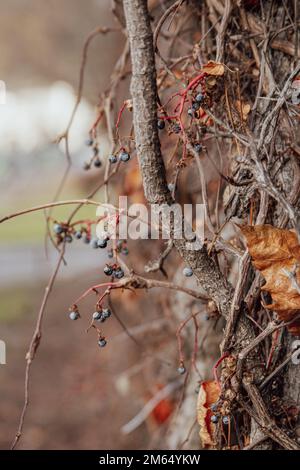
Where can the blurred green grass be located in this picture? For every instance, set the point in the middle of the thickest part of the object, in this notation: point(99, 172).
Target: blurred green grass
point(15, 302)
point(32, 227)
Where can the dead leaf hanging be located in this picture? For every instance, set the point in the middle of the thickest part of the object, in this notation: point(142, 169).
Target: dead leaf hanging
point(275, 253)
point(208, 394)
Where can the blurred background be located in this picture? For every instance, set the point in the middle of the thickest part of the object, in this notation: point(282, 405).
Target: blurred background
point(80, 396)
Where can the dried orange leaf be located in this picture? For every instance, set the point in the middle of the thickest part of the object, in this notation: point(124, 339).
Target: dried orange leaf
point(208, 394)
point(214, 68)
point(275, 253)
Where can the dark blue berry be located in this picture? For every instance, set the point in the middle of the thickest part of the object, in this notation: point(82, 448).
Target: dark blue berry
point(102, 243)
point(108, 270)
point(198, 147)
point(106, 313)
point(110, 254)
point(214, 407)
point(58, 229)
point(97, 163)
point(102, 342)
point(196, 106)
point(78, 235)
point(226, 420)
point(69, 238)
point(214, 418)
point(181, 370)
point(74, 315)
point(171, 187)
point(112, 159)
point(124, 156)
point(161, 124)
point(119, 273)
point(190, 112)
point(188, 272)
point(97, 315)
point(199, 98)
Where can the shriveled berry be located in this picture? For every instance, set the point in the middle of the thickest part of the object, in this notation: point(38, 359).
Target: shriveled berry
point(177, 129)
point(78, 234)
point(97, 315)
point(94, 243)
point(124, 156)
point(102, 342)
point(181, 370)
point(214, 418)
point(161, 124)
point(196, 106)
point(74, 315)
point(108, 270)
point(58, 228)
point(187, 272)
point(110, 254)
point(199, 98)
point(97, 163)
point(106, 313)
point(112, 159)
point(86, 166)
point(101, 243)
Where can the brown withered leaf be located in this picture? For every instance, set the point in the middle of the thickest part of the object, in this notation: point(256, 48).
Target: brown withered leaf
point(214, 68)
point(208, 394)
point(275, 253)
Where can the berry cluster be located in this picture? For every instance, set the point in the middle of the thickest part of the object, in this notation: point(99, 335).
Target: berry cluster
point(216, 415)
point(196, 104)
point(114, 271)
point(100, 315)
point(123, 156)
point(95, 159)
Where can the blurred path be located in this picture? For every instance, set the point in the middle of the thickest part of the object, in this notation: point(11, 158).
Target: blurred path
point(28, 263)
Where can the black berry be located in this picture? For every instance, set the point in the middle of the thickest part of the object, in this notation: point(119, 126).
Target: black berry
point(112, 159)
point(124, 156)
point(161, 124)
point(101, 243)
point(102, 342)
point(97, 163)
point(108, 270)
